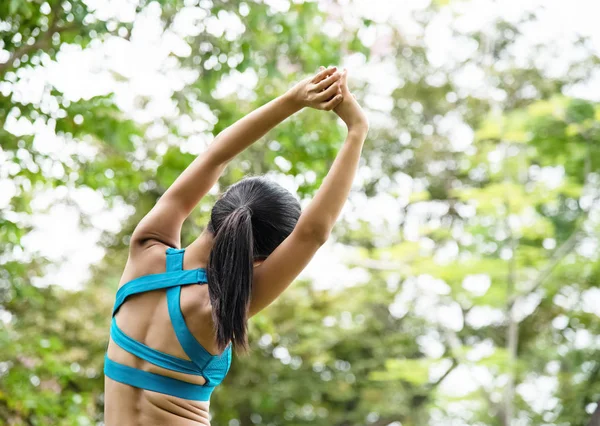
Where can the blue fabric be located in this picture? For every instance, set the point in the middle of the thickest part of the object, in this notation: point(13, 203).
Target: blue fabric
point(188, 342)
point(157, 282)
point(155, 382)
point(142, 351)
point(217, 367)
point(213, 368)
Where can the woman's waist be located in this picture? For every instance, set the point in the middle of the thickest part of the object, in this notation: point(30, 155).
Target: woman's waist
point(145, 407)
point(173, 410)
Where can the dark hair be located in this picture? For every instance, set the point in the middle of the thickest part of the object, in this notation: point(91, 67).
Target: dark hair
point(248, 222)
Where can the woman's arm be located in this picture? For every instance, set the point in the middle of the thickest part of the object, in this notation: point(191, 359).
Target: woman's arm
point(255, 125)
point(278, 271)
point(163, 223)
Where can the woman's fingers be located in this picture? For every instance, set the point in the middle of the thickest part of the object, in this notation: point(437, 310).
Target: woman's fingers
point(331, 104)
point(324, 73)
point(344, 79)
point(328, 93)
point(328, 81)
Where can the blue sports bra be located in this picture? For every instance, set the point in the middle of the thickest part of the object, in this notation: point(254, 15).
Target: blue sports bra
point(213, 368)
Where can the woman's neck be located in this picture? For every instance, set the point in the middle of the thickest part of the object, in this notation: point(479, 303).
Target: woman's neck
point(197, 253)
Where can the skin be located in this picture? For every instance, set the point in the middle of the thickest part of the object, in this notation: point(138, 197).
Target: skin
point(145, 317)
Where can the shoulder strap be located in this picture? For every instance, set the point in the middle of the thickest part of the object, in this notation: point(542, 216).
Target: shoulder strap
point(193, 349)
point(174, 259)
point(154, 356)
point(172, 277)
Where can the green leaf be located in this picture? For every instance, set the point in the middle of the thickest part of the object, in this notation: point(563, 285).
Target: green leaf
point(14, 6)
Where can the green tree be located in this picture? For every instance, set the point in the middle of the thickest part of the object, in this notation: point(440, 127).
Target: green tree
point(488, 274)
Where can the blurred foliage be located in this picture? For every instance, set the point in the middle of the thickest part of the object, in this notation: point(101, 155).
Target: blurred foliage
point(487, 234)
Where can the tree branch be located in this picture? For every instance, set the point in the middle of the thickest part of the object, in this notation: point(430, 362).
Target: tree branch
point(569, 244)
point(41, 43)
point(512, 332)
point(456, 347)
point(558, 255)
point(377, 264)
point(435, 384)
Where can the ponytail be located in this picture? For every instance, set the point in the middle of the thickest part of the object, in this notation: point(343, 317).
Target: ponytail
point(230, 269)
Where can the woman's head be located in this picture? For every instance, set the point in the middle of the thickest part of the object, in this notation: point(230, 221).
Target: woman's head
point(248, 222)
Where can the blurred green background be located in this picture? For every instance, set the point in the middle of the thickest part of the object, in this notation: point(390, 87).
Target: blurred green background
point(460, 285)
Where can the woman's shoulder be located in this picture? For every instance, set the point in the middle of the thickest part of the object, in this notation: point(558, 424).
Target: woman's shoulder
point(144, 261)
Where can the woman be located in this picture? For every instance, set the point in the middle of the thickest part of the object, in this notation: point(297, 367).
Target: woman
point(171, 341)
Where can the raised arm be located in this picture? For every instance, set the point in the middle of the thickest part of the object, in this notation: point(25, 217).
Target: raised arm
point(163, 223)
point(282, 266)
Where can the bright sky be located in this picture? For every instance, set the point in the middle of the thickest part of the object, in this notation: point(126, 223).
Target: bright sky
point(144, 63)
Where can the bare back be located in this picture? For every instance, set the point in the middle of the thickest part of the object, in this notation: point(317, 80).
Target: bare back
point(145, 317)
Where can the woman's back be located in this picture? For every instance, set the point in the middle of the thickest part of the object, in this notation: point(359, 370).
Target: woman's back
point(145, 318)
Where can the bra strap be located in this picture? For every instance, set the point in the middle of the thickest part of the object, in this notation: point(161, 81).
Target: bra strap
point(174, 259)
point(193, 349)
point(156, 282)
point(149, 354)
point(155, 382)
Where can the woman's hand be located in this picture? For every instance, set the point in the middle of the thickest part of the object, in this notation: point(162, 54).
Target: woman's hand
point(349, 109)
point(322, 91)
